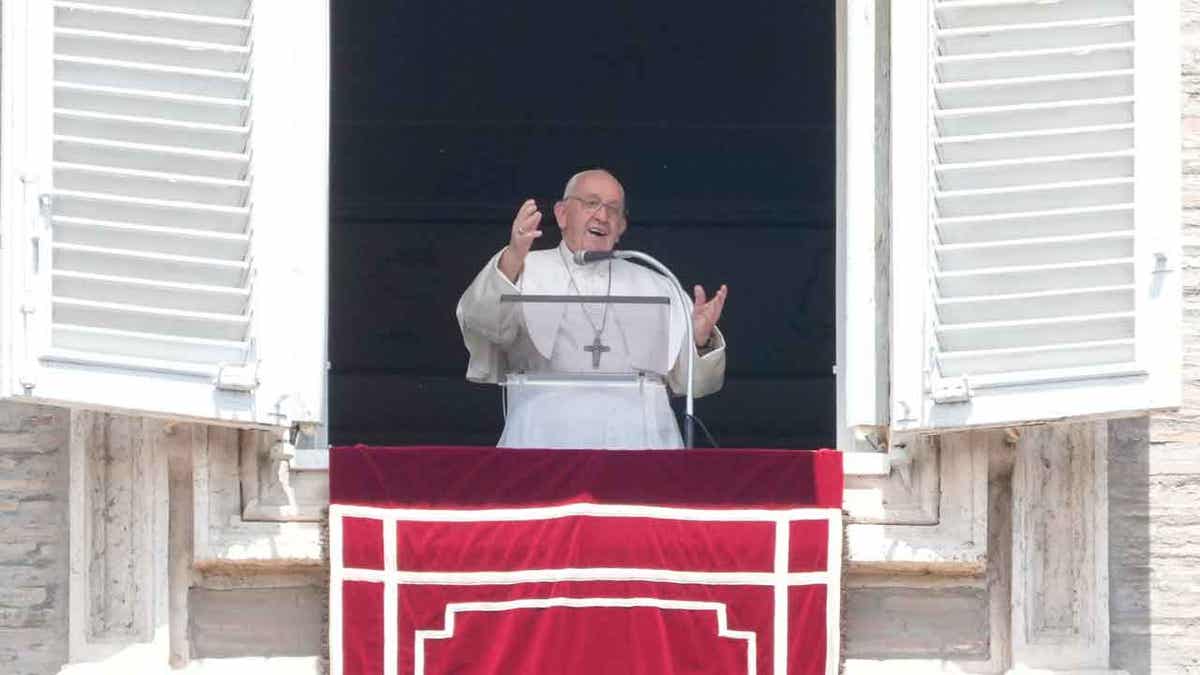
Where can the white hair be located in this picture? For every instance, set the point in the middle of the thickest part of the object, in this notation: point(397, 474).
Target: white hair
point(571, 184)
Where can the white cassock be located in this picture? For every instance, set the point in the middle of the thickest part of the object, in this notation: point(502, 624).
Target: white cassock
point(502, 339)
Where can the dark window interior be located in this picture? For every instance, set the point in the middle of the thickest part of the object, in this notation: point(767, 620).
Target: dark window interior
point(447, 114)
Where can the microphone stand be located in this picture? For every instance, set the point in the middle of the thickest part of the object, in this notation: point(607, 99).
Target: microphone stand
point(689, 420)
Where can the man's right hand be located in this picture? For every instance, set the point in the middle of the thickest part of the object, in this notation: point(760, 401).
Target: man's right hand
point(524, 231)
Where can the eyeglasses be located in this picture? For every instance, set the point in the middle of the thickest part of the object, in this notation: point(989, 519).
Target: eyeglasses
point(592, 204)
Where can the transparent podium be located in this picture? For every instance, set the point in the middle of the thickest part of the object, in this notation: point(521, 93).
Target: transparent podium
point(589, 371)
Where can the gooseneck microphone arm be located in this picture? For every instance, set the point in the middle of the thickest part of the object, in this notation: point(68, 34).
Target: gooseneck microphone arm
point(689, 423)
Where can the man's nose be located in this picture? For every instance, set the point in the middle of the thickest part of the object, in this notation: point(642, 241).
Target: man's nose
point(601, 214)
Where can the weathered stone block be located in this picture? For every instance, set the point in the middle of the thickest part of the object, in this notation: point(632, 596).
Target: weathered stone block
point(899, 622)
point(24, 617)
point(26, 487)
point(33, 539)
point(245, 622)
point(22, 597)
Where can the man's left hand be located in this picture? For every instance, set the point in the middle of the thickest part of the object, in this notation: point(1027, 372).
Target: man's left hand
point(706, 312)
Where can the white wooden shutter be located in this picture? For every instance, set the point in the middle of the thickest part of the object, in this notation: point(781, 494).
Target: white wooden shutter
point(167, 237)
point(1036, 210)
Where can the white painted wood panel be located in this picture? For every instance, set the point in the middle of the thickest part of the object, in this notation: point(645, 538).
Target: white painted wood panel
point(1036, 211)
point(165, 180)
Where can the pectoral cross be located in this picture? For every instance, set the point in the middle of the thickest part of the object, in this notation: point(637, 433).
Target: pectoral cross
point(597, 348)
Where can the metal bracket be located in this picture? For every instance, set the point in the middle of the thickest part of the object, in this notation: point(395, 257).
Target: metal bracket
point(242, 377)
point(900, 455)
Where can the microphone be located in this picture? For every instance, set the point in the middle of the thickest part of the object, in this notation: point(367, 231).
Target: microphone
point(689, 418)
point(586, 257)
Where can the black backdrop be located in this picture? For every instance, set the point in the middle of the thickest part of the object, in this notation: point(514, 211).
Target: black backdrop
point(719, 121)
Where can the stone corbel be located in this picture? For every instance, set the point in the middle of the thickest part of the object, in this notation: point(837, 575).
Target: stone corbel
point(233, 528)
point(906, 493)
point(931, 517)
point(272, 489)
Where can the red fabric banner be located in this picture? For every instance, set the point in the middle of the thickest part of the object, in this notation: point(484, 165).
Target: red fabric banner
point(543, 562)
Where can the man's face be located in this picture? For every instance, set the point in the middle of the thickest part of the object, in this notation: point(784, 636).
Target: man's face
point(592, 217)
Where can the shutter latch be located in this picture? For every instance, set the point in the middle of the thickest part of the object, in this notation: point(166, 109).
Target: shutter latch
point(237, 377)
point(952, 390)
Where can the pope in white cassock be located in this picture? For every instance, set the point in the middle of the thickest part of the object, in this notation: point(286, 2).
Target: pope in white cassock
point(502, 338)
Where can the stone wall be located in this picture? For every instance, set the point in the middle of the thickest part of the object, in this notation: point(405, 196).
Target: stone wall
point(33, 539)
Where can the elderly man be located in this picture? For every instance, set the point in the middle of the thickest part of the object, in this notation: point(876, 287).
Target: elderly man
point(500, 338)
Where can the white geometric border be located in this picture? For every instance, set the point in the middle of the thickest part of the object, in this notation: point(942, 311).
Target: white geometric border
point(392, 576)
point(454, 608)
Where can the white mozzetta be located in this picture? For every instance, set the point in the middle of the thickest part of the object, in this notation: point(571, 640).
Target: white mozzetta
point(168, 165)
point(1036, 215)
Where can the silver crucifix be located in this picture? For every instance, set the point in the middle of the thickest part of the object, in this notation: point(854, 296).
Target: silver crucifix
point(597, 348)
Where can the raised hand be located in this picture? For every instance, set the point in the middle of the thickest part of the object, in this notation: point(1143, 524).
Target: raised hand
point(520, 239)
point(707, 312)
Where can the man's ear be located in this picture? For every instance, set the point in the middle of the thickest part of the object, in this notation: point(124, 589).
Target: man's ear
point(560, 207)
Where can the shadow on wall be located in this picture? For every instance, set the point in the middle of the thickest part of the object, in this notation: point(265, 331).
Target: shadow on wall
point(1129, 581)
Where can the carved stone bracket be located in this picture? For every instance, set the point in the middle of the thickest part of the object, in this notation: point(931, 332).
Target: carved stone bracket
point(936, 520)
point(272, 489)
point(233, 528)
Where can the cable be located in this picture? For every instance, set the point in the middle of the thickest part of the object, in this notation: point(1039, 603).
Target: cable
point(712, 441)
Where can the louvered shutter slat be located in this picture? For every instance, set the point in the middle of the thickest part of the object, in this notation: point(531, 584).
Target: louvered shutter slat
point(1034, 89)
point(134, 102)
point(151, 184)
point(201, 26)
point(978, 13)
point(1054, 115)
point(1049, 223)
point(230, 9)
point(1017, 145)
point(149, 292)
point(1033, 332)
point(155, 158)
point(152, 50)
point(1025, 198)
point(1034, 171)
point(148, 131)
point(150, 320)
point(78, 204)
point(1043, 363)
point(150, 78)
point(1034, 278)
point(99, 345)
point(996, 39)
point(167, 240)
point(1038, 305)
point(1033, 230)
point(1063, 61)
point(1034, 251)
point(154, 266)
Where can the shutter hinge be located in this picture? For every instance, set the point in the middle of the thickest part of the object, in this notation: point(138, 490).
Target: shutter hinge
point(951, 390)
point(241, 377)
